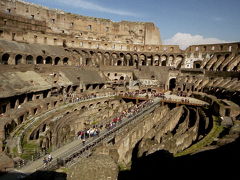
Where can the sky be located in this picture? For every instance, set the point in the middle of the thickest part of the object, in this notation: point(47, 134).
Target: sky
point(181, 22)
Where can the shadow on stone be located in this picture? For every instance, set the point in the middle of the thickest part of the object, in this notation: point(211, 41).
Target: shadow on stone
point(38, 175)
point(220, 163)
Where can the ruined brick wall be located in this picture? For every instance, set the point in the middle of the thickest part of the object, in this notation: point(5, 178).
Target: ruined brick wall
point(80, 27)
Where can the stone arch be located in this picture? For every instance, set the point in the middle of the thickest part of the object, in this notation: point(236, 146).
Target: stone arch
point(18, 59)
point(91, 60)
point(107, 59)
point(150, 60)
point(123, 59)
point(8, 128)
point(143, 60)
point(119, 62)
point(163, 60)
point(48, 60)
point(65, 60)
point(39, 60)
point(121, 78)
point(170, 60)
point(172, 83)
point(20, 119)
point(99, 57)
point(88, 61)
point(29, 59)
point(114, 58)
point(135, 59)
point(129, 59)
point(95, 59)
point(90, 106)
point(44, 127)
point(5, 58)
point(178, 60)
point(86, 58)
point(197, 64)
point(57, 60)
point(156, 60)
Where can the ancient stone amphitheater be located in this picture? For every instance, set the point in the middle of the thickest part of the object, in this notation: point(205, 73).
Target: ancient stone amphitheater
point(158, 110)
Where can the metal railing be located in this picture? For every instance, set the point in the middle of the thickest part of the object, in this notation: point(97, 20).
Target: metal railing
point(80, 150)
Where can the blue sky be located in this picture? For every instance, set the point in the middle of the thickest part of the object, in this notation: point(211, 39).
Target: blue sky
point(182, 22)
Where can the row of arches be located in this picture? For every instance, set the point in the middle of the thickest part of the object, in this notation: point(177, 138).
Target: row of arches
point(89, 57)
point(84, 57)
point(17, 59)
point(219, 62)
point(81, 107)
point(93, 58)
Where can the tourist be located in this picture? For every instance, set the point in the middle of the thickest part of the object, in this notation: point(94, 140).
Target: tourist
point(49, 158)
point(45, 162)
point(83, 141)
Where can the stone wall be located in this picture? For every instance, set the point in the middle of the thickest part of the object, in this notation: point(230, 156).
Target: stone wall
point(78, 27)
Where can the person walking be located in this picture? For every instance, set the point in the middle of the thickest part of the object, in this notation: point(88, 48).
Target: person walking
point(49, 158)
point(45, 162)
point(83, 141)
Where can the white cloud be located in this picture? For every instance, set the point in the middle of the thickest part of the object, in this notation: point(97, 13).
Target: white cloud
point(93, 6)
point(184, 40)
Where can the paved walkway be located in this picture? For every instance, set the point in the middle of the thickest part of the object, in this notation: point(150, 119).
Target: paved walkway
point(180, 98)
point(75, 145)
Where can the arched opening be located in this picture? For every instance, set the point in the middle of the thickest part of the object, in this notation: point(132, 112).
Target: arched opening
point(44, 127)
point(65, 60)
point(164, 63)
point(5, 58)
point(156, 60)
point(39, 60)
point(57, 60)
point(107, 59)
point(163, 60)
point(119, 62)
point(20, 119)
point(144, 62)
point(29, 59)
point(9, 128)
point(172, 84)
point(197, 64)
point(37, 134)
point(48, 60)
point(131, 62)
point(170, 60)
point(88, 61)
point(121, 78)
point(18, 59)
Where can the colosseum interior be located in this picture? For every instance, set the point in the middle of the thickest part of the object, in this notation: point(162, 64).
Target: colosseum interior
point(92, 91)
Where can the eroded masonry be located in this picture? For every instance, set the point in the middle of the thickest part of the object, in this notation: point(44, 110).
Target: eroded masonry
point(64, 76)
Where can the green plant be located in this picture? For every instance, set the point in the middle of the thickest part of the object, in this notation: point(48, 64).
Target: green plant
point(207, 140)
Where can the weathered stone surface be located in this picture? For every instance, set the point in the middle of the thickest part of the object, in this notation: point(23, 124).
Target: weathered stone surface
point(96, 167)
point(6, 162)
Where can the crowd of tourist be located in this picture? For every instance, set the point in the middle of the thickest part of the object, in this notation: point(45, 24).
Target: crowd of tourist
point(73, 97)
point(96, 129)
point(143, 94)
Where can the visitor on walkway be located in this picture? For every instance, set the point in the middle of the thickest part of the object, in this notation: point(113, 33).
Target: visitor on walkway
point(49, 158)
point(45, 162)
point(83, 141)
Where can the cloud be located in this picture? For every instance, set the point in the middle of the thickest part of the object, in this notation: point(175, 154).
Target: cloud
point(184, 40)
point(84, 4)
